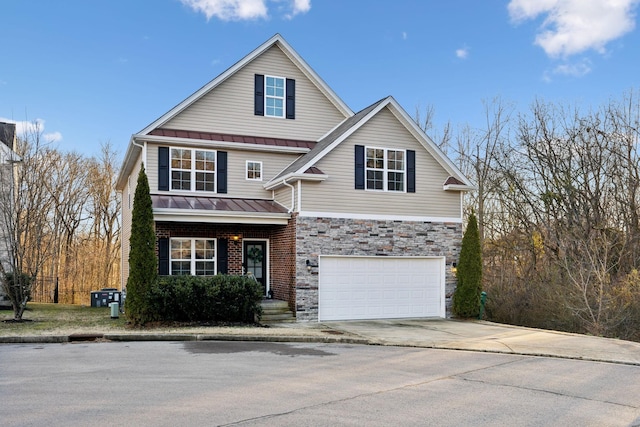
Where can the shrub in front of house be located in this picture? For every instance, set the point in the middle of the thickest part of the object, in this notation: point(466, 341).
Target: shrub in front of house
point(466, 298)
point(219, 298)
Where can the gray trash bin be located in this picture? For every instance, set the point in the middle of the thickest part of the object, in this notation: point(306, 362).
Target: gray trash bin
point(115, 309)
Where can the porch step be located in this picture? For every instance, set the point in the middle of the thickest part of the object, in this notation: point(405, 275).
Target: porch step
point(276, 311)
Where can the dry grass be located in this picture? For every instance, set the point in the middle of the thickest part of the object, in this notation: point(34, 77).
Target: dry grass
point(60, 319)
point(63, 319)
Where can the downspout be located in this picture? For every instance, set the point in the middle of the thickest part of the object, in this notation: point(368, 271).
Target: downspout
point(293, 194)
point(144, 151)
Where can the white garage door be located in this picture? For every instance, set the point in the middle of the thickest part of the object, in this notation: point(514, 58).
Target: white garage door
point(354, 287)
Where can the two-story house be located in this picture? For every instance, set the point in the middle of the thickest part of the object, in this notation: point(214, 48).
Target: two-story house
point(266, 170)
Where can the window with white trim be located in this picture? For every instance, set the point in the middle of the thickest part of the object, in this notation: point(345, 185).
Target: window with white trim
point(193, 170)
point(274, 96)
point(254, 170)
point(195, 257)
point(385, 169)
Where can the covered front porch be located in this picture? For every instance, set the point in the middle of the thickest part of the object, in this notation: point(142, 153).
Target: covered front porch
point(205, 236)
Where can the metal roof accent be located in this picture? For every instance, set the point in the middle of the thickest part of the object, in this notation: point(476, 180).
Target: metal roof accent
point(223, 137)
point(221, 204)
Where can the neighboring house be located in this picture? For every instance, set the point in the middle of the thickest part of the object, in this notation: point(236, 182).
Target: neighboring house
point(7, 159)
point(266, 170)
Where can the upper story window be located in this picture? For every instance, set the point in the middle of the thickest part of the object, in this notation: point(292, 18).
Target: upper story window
point(385, 169)
point(190, 169)
point(196, 257)
point(254, 170)
point(193, 170)
point(274, 96)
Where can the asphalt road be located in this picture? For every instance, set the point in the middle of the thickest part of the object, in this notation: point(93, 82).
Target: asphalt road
point(278, 384)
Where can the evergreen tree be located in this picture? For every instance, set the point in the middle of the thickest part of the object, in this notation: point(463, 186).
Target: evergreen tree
point(466, 299)
point(143, 263)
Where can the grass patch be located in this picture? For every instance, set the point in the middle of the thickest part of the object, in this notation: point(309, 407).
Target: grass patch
point(60, 319)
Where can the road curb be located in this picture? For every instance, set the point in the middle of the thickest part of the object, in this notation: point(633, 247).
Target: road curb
point(58, 339)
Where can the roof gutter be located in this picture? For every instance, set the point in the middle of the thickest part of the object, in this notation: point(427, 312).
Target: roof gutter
point(272, 185)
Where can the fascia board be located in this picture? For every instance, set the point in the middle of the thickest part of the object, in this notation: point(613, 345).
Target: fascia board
point(458, 187)
point(196, 215)
point(428, 143)
point(312, 161)
point(127, 164)
point(292, 177)
point(207, 143)
point(306, 69)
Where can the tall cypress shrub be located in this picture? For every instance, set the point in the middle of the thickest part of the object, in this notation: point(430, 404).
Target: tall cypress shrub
point(143, 263)
point(466, 298)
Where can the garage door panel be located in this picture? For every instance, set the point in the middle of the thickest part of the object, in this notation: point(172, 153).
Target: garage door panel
point(376, 287)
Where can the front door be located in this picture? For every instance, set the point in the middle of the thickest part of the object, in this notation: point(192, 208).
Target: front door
point(255, 261)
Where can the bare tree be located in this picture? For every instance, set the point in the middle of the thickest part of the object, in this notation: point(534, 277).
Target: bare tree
point(477, 154)
point(24, 208)
point(104, 209)
point(427, 124)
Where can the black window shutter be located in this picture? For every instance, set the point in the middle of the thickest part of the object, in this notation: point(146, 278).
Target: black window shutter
point(223, 256)
point(163, 256)
point(163, 168)
point(411, 171)
point(291, 99)
point(259, 95)
point(359, 167)
point(222, 172)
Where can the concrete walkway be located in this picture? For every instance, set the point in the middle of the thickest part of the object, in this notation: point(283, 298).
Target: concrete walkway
point(427, 333)
point(491, 337)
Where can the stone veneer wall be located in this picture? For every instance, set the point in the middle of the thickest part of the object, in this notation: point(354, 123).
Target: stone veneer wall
point(340, 236)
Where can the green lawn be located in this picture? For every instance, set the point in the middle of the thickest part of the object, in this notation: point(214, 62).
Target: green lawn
point(60, 318)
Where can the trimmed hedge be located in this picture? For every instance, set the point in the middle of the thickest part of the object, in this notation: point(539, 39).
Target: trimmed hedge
point(219, 298)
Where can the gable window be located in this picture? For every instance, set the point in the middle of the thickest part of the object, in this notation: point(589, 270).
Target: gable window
point(195, 257)
point(385, 169)
point(254, 171)
point(193, 170)
point(274, 96)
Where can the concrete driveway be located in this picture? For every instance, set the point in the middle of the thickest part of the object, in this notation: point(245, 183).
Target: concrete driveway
point(490, 337)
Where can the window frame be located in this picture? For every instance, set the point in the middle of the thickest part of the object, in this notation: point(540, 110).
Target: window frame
point(386, 170)
point(247, 170)
point(193, 258)
point(193, 171)
point(282, 99)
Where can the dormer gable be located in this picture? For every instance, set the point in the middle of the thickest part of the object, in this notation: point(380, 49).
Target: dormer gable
point(272, 92)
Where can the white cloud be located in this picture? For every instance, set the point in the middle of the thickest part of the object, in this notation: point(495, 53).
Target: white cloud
point(240, 10)
point(570, 69)
point(577, 69)
point(404, 35)
point(52, 137)
point(299, 6)
point(462, 53)
point(27, 129)
point(575, 26)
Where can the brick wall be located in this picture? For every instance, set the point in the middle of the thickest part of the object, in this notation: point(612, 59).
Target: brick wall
point(331, 236)
point(281, 243)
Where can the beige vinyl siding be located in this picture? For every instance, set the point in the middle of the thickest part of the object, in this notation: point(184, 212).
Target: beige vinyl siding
point(283, 196)
point(237, 185)
point(127, 206)
point(151, 167)
point(337, 193)
point(229, 108)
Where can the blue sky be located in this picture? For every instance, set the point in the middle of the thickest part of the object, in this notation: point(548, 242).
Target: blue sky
point(92, 71)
